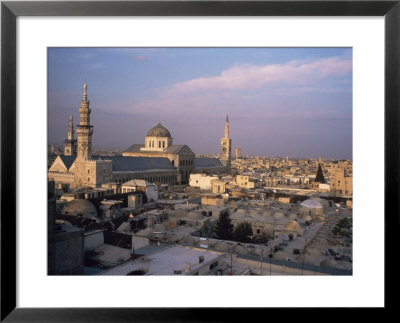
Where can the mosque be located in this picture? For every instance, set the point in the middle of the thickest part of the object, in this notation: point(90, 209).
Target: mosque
point(158, 160)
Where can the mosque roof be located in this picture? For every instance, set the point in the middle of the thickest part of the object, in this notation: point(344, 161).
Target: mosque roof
point(137, 182)
point(135, 148)
point(67, 160)
point(204, 162)
point(173, 149)
point(126, 163)
point(159, 131)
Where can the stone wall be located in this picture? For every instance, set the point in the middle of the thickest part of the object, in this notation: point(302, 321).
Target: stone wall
point(66, 253)
point(93, 173)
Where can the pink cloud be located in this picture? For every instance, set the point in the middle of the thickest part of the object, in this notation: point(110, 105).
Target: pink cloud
point(249, 86)
point(248, 77)
point(140, 58)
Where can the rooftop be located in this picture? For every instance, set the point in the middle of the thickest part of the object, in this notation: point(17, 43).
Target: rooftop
point(166, 261)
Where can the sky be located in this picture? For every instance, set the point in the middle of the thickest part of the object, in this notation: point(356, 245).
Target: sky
point(294, 102)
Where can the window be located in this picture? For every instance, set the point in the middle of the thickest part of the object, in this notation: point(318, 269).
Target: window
point(163, 144)
point(213, 265)
point(88, 179)
point(88, 171)
point(159, 144)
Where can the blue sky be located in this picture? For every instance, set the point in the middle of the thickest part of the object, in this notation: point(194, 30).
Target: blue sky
point(294, 102)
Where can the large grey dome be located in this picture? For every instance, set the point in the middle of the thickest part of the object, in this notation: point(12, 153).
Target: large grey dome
point(159, 131)
point(80, 207)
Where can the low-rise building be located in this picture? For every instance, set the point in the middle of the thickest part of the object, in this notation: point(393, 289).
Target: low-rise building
point(213, 200)
point(139, 185)
point(249, 182)
point(176, 260)
point(340, 183)
point(201, 181)
point(218, 186)
point(110, 209)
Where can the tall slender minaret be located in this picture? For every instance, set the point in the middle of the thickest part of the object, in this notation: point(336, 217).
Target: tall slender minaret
point(70, 143)
point(226, 146)
point(85, 130)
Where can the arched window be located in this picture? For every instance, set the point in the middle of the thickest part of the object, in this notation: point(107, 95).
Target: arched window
point(163, 144)
point(159, 144)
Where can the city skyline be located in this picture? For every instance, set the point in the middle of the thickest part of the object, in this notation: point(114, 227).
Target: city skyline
point(294, 102)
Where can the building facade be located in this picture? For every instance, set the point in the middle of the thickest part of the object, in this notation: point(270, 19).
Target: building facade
point(238, 152)
point(340, 183)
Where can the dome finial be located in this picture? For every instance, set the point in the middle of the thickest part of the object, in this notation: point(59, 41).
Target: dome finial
point(159, 121)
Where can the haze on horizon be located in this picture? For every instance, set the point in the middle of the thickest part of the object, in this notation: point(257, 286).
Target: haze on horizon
point(294, 102)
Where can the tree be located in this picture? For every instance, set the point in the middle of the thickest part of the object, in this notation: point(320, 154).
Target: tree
point(223, 228)
point(243, 232)
point(320, 176)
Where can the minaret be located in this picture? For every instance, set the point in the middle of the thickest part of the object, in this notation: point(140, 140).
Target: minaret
point(71, 128)
point(70, 143)
point(226, 146)
point(85, 130)
point(226, 127)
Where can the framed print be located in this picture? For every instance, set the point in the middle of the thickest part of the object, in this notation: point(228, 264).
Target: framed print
point(237, 57)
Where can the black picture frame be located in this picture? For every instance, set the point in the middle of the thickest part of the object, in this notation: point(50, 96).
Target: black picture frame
point(10, 10)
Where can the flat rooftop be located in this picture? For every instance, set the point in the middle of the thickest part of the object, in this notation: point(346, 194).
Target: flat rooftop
point(166, 261)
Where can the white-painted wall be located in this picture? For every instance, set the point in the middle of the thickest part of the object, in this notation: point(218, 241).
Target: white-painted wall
point(201, 180)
